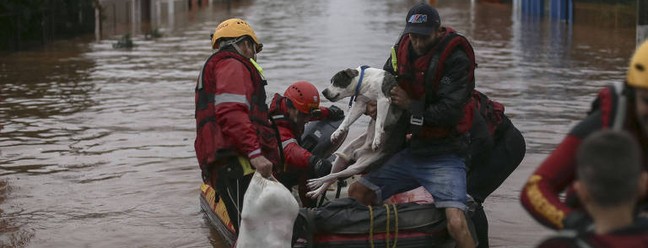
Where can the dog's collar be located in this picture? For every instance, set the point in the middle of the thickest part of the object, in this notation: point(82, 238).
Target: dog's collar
point(357, 88)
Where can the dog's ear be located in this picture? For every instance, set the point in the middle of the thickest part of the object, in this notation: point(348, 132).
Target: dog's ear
point(351, 72)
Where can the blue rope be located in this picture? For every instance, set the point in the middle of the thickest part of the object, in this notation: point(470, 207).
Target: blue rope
point(357, 89)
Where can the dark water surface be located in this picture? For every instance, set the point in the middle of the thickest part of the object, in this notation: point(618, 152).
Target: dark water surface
point(96, 148)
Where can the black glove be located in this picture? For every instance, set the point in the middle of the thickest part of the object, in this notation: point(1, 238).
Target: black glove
point(319, 167)
point(335, 113)
point(577, 220)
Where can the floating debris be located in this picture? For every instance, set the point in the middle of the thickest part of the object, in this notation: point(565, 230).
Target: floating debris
point(154, 34)
point(124, 42)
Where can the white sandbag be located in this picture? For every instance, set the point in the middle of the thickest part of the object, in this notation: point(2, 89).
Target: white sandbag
point(269, 212)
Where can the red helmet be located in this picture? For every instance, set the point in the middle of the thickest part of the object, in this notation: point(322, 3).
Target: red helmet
point(304, 96)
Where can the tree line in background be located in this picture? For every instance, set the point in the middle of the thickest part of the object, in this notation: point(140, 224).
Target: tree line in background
point(29, 23)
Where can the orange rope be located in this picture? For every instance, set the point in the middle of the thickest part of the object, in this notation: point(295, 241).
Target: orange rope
point(395, 225)
point(387, 229)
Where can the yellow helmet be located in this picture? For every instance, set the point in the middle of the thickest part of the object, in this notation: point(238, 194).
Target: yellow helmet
point(234, 28)
point(638, 71)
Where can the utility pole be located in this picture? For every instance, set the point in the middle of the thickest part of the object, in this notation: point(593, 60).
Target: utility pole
point(642, 21)
point(145, 16)
point(97, 7)
point(146, 10)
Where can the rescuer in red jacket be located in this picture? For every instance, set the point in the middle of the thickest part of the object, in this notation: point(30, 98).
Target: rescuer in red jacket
point(290, 112)
point(623, 106)
point(610, 181)
point(233, 133)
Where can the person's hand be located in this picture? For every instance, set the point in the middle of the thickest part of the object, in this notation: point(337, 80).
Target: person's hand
point(262, 165)
point(399, 97)
point(372, 109)
point(335, 113)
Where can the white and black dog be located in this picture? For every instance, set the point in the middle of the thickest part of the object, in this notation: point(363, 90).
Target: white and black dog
point(363, 84)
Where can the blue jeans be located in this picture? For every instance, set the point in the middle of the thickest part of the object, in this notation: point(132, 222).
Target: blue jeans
point(444, 176)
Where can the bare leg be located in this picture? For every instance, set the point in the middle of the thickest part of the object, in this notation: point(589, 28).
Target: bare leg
point(361, 193)
point(458, 228)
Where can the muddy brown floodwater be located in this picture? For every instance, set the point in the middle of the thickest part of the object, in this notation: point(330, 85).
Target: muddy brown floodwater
point(96, 148)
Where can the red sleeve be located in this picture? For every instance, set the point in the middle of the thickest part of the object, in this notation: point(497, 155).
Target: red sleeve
point(232, 105)
point(540, 195)
point(323, 116)
point(296, 157)
point(558, 242)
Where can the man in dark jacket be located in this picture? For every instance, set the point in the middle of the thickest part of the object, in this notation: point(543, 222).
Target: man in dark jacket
point(435, 69)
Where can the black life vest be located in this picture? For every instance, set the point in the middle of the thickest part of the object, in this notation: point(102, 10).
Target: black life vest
point(491, 111)
point(635, 235)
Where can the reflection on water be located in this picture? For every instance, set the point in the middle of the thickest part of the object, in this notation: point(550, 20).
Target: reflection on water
point(97, 142)
point(16, 237)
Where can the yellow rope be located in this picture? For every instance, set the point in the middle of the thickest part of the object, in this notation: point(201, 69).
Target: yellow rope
point(371, 220)
point(387, 229)
point(395, 225)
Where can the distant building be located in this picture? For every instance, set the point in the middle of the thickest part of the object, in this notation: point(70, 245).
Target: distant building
point(29, 23)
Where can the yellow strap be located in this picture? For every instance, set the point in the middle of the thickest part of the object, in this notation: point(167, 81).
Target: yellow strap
point(387, 229)
point(371, 223)
point(394, 60)
point(395, 225)
point(541, 204)
point(258, 67)
point(247, 167)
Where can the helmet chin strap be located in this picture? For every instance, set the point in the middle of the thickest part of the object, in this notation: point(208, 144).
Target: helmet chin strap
point(237, 48)
point(234, 43)
point(619, 119)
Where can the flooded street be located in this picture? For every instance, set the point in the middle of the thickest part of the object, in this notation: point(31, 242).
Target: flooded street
point(96, 145)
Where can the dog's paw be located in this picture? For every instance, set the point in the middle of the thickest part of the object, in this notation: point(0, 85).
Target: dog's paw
point(376, 144)
point(312, 194)
point(337, 135)
point(316, 193)
point(314, 183)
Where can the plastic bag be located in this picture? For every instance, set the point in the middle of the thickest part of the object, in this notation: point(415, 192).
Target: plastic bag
point(268, 216)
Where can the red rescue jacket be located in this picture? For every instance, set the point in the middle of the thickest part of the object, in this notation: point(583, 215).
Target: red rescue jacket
point(231, 113)
point(296, 158)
